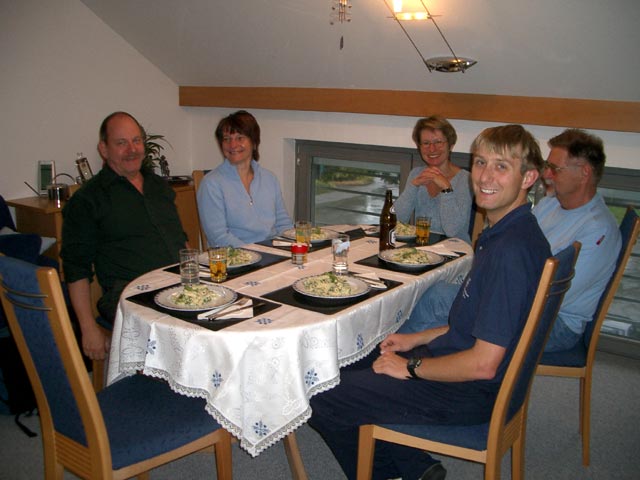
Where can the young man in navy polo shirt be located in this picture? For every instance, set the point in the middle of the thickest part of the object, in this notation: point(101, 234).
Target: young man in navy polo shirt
point(459, 367)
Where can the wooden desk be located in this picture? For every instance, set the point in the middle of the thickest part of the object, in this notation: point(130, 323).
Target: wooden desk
point(44, 217)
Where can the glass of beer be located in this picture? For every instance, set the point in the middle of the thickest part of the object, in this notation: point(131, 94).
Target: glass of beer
point(218, 263)
point(303, 232)
point(423, 228)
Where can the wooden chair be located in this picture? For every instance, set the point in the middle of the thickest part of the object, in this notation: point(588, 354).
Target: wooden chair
point(487, 443)
point(98, 366)
point(127, 428)
point(197, 176)
point(578, 362)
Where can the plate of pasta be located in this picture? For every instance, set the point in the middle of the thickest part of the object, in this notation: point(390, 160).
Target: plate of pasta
point(318, 234)
point(236, 258)
point(330, 288)
point(195, 298)
point(410, 258)
point(405, 232)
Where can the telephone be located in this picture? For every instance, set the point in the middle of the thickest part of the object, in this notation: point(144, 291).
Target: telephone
point(84, 169)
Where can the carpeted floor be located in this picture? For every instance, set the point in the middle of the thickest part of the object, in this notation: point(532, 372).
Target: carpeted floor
point(553, 442)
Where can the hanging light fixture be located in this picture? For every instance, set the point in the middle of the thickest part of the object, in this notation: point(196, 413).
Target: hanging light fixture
point(451, 64)
point(340, 11)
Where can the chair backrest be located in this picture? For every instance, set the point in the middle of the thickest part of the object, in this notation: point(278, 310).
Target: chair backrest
point(39, 321)
point(197, 176)
point(629, 230)
point(514, 391)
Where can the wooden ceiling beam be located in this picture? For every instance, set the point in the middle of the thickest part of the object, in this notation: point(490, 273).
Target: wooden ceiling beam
point(556, 112)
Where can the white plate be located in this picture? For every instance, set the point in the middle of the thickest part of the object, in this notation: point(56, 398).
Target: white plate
point(326, 234)
point(252, 258)
point(166, 298)
point(393, 257)
point(358, 288)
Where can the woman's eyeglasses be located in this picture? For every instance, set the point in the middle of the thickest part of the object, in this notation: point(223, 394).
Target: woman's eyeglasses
point(437, 144)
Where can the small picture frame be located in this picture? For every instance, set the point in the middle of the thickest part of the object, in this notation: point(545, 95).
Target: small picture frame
point(46, 175)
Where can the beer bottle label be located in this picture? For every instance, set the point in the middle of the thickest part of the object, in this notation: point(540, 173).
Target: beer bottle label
point(392, 237)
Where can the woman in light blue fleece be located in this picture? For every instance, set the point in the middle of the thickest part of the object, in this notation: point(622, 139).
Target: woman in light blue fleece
point(240, 202)
point(439, 190)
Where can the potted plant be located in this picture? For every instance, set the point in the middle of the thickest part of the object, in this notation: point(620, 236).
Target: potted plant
point(153, 157)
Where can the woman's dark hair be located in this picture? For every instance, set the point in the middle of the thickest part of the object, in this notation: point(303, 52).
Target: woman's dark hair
point(240, 122)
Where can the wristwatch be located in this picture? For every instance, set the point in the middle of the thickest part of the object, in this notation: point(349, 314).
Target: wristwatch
point(412, 364)
point(447, 190)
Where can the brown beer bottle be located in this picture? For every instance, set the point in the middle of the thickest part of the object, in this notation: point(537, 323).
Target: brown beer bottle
point(388, 223)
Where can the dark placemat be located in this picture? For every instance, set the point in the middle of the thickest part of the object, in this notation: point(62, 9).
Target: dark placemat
point(289, 296)
point(354, 234)
point(374, 261)
point(266, 260)
point(146, 299)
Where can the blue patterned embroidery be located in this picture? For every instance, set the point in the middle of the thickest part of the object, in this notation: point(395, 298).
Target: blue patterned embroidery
point(264, 321)
point(301, 267)
point(142, 287)
point(311, 378)
point(370, 240)
point(399, 316)
point(216, 378)
point(151, 346)
point(252, 283)
point(359, 341)
point(260, 429)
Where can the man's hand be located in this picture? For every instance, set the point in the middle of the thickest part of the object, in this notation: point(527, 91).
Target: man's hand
point(95, 344)
point(400, 342)
point(391, 364)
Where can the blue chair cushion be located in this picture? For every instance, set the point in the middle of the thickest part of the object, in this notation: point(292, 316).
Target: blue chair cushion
point(24, 246)
point(145, 418)
point(467, 436)
point(575, 357)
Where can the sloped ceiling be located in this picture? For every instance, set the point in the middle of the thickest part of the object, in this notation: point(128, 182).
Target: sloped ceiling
point(547, 48)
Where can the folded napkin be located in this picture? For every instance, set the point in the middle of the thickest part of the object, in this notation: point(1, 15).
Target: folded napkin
point(372, 279)
point(233, 309)
point(281, 243)
point(440, 250)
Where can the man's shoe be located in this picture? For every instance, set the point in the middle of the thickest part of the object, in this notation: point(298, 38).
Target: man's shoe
point(434, 472)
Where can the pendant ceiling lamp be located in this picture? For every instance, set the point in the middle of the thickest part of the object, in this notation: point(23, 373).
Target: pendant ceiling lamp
point(448, 64)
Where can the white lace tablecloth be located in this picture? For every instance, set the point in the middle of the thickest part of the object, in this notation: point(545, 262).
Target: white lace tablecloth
point(257, 376)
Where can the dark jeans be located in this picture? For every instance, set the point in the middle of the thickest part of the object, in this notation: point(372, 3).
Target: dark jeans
point(364, 397)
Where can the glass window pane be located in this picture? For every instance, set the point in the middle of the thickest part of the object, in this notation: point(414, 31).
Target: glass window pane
point(350, 192)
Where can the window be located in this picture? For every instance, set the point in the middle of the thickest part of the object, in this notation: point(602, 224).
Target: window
point(345, 183)
point(338, 183)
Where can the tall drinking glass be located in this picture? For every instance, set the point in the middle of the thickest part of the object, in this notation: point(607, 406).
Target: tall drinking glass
point(340, 249)
point(189, 266)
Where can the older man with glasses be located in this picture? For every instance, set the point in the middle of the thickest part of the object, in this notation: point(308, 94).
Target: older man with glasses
point(578, 212)
point(573, 210)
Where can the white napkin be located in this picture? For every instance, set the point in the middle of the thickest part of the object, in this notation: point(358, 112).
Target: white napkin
point(244, 313)
point(440, 250)
point(281, 243)
point(372, 277)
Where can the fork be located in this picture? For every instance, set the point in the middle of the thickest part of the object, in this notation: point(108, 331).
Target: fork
point(224, 312)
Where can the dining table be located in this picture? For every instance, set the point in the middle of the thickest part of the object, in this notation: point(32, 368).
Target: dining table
point(257, 374)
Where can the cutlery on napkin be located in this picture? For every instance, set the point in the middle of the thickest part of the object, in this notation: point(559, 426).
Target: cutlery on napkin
point(440, 250)
point(281, 243)
point(371, 279)
point(240, 309)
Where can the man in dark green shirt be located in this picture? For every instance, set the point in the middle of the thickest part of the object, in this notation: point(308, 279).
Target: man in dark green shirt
point(122, 223)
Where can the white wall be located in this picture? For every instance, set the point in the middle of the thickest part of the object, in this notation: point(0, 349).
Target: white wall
point(63, 71)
